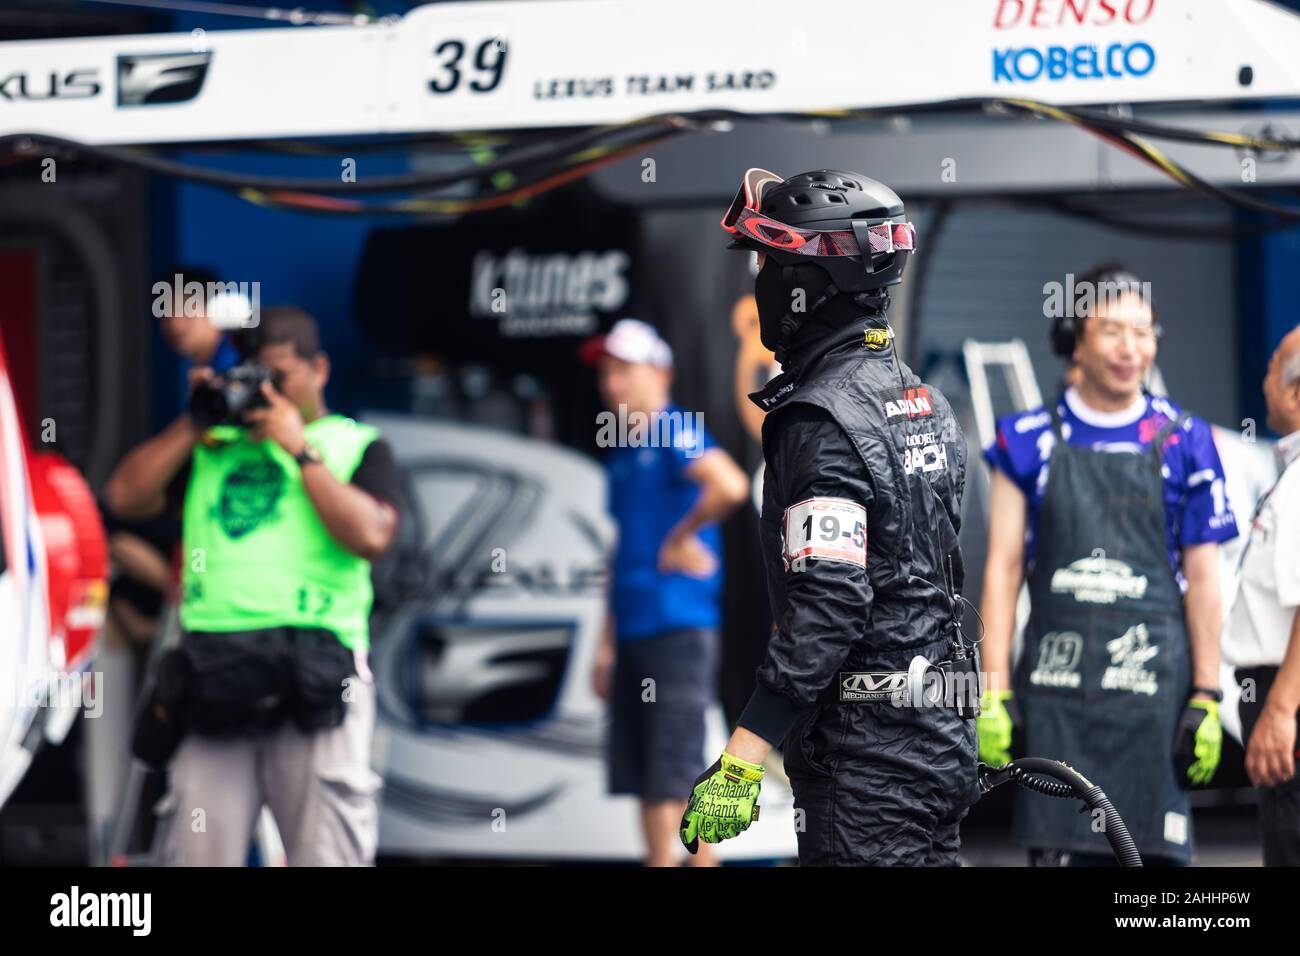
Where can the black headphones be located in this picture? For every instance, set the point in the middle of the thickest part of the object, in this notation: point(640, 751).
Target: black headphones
point(1064, 334)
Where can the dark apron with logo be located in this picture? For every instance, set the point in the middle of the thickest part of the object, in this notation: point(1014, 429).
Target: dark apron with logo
point(1105, 672)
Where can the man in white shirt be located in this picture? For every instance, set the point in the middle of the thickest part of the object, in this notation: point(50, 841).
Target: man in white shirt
point(1262, 635)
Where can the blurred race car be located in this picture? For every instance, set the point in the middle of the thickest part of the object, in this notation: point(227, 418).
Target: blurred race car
point(53, 587)
point(489, 736)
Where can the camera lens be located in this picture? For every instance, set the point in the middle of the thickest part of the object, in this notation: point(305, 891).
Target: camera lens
point(208, 406)
point(237, 396)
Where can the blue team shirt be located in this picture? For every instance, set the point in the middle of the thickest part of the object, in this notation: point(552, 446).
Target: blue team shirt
point(1196, 503)
point(648, 494)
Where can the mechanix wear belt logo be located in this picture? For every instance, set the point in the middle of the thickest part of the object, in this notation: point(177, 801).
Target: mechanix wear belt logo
point(1129, 655)
point(1099, 581)
point(903, 403)
point(876, 339)
point(880, 685)
point(1058, 660)
point(249, 495)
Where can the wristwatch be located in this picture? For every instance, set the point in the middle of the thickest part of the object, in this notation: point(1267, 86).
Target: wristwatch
point(1212, 692)
point(309, 453)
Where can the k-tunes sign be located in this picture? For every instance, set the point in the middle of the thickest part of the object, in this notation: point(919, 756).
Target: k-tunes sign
point(532, 294)
point(481, 285)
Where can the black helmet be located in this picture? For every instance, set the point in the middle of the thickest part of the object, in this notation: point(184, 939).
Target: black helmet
point(825, 218)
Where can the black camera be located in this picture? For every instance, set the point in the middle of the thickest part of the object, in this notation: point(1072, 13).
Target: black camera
point(224, 399)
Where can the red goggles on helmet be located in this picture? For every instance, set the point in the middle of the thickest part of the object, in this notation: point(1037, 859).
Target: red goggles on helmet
point(744, 221)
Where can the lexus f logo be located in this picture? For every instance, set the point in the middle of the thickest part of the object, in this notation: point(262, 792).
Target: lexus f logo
point(153, 78)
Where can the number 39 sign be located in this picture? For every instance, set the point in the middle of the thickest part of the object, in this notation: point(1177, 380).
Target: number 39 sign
point(829, 529)
point(477, 65)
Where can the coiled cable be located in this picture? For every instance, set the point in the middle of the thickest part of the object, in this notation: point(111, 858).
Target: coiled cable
point(1055, 779)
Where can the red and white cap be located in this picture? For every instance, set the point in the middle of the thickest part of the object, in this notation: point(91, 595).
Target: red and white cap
point(630, 340)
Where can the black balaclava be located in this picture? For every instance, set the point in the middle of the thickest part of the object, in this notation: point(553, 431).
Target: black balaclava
point(825, 307)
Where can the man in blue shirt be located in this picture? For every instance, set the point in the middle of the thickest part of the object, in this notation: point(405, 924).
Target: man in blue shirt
point(669, 485)
point(1110, 502)
point(195, 336)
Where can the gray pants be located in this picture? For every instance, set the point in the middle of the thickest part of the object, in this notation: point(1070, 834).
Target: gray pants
point(319, 787)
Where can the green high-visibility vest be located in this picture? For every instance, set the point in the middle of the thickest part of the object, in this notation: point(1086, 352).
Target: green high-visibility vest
point(256, 553)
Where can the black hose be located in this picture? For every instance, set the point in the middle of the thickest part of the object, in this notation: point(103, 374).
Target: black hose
point(1116, 832)
point(1028, 772)
point(551, 150)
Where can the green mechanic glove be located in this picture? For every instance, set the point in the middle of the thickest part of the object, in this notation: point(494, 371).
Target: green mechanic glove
point(997, 721)
point(722, 802)
point(1199, 743)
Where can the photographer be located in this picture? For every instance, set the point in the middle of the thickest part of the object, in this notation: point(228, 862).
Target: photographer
point(268, 699)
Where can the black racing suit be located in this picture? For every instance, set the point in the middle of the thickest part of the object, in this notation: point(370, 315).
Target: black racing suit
point(877, 783)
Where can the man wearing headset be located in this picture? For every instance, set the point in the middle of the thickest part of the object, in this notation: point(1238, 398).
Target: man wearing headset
point(1111, 504)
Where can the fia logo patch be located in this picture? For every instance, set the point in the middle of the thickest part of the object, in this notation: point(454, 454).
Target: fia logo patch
point(876, 339)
